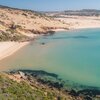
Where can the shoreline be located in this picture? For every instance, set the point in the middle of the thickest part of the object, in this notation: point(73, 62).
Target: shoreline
point(9, 48)
point(51, 81)
point(90, 27)
point(75, 28)
point(81, 22)
point(90, 92)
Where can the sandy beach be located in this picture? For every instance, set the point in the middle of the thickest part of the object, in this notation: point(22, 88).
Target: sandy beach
point(20, 23)
point(43, 25)
point(81, 22)
point(75, 22)
point(8, 48)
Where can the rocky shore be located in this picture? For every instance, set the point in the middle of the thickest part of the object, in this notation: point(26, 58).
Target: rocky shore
point(50, 82)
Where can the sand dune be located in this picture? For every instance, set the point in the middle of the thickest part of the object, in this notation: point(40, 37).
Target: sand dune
point(17, 24)
point(31, 22)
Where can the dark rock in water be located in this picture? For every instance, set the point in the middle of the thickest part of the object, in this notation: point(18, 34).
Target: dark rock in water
point(73, 93)
point(89, 92)
point(54, 82)
point(56, 85)
point(86, 94)
point(39, 72)
point(87, 98)
point(51, 32)
point(84, 37)
point(43, 43)
point(42, 81)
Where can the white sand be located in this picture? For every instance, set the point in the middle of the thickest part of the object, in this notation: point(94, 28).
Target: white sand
point(79, 22)
point(8, 48)
point(74, 22)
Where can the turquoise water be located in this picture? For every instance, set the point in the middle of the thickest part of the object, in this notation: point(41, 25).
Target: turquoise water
point(73, 55)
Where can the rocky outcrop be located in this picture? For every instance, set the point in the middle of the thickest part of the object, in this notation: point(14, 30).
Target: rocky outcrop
point(52, 82)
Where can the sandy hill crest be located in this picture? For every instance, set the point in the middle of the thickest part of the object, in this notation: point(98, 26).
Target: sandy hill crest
point(16, 23)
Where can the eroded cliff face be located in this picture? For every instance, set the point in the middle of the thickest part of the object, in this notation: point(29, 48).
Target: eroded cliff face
point(17, 23)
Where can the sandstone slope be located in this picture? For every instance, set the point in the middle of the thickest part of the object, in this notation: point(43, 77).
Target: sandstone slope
point(16, 24)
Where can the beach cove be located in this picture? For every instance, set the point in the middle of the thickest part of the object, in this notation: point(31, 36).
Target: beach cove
point(73, 55)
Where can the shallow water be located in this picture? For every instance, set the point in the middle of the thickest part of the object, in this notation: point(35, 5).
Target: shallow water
point(73, 55)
